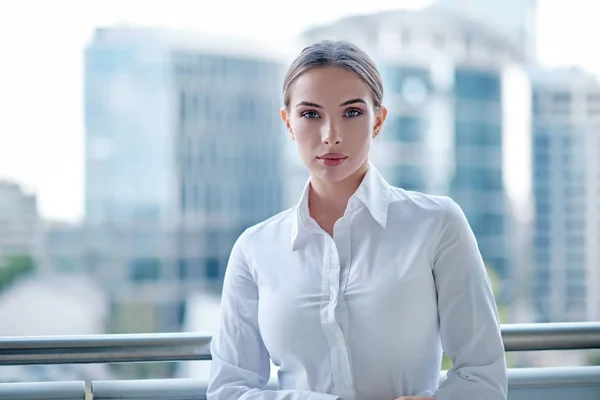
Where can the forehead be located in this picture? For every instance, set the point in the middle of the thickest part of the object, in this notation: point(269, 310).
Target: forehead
point(329, 84)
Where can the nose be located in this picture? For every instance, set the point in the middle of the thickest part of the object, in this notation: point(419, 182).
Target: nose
point(330, 134)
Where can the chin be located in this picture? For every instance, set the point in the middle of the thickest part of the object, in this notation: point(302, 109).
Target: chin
point(334, 174)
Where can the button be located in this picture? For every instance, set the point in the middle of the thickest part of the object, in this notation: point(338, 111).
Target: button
point(345, 387)
point(337, 339)
point(332, 297)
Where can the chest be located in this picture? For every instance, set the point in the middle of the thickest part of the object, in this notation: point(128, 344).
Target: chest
point(361, 269)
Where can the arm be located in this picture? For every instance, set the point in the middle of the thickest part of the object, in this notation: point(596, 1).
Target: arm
point(469, 322)
point(240, 362)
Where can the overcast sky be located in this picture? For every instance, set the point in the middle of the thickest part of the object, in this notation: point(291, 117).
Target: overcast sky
point(41, 43)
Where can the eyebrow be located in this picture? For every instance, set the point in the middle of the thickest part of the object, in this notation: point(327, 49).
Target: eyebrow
point(346, 103)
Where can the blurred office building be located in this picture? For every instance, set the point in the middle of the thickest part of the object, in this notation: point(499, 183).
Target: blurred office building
point(516, 20)
point(566, 156)
point(183, 152)
point(19, 222)
point(458, 96)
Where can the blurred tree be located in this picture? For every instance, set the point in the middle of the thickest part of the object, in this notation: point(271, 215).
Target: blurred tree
point(14, 267)
point(594, 358)
point(502, 312)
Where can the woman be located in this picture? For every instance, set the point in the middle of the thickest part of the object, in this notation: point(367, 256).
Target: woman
point(354, 292)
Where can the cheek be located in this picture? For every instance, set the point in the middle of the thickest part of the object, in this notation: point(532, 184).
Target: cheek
point(306, 144)
point(305, 132)
point(359, 135)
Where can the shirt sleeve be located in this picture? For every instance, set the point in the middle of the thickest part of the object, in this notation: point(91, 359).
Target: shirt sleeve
point(469, 322)
point(241, 366)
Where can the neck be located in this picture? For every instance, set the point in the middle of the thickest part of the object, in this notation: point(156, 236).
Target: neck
point(332, 197)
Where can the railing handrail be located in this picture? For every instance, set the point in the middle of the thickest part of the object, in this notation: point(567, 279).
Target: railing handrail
point(551, 336)
point(119, 348)
point(523, 383)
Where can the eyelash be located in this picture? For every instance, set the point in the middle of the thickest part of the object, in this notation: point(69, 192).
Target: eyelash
point(358, 113)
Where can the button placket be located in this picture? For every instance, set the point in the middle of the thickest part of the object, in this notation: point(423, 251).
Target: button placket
point(342, 372)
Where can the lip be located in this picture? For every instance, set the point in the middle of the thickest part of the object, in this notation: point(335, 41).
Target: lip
point(332, 159)
point(332, 156)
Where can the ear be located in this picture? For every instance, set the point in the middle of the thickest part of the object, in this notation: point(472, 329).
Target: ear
point(286, 120)
point(379, 120)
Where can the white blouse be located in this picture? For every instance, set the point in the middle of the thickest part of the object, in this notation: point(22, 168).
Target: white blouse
point(363, 315)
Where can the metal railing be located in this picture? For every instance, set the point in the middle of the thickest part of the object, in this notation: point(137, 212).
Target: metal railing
point(91, 349)
point(582, 383)
point(524, 384)
point(126, 348)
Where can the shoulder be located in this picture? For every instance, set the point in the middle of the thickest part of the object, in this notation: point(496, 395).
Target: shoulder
point(258, 239)
point(438, 215)
point(421, 204)
point(271, 228)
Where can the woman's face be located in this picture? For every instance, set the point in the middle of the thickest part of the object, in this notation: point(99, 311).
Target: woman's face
point(332, 118)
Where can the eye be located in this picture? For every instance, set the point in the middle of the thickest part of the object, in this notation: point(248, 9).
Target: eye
point(353, 113)
point(310, 114)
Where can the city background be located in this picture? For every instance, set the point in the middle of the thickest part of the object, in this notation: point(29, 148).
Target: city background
point(139, 139)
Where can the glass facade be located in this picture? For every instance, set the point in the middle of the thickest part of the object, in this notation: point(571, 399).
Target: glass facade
point(560, 227)
point(128, 137)
point(183, 152)
point(406, 84)
point(229, 142)
point(478, 173)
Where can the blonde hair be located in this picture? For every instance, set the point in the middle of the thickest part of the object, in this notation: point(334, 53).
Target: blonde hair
point(342, 54)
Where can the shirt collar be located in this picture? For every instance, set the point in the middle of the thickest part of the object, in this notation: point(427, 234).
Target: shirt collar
point(373, 192)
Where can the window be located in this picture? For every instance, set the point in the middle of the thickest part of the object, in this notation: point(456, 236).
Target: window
point(574, 260)
point(405, 129)
point(212, 268)
point(542, 192)
point(541, 241)
point(477, 178)
point(542, 157)
point(575, 191)
point(144, 269)
point(561, 97)
point(190, 269)
point(575, 207)
point(541, 173)
point(575, 225)
point(574, 175)
point(182, 106)
point(542, 224)
point(576, 291)
point(477, 85)
point(535, 103)
point(542, 256)
point(182, 196)
point(487, 224)
point(542, 275)
point(575, 241)
point(246, 108)
point(593, 98)
point(396, 76)
point(478, 133)
point(409, 177)
point(542, 141)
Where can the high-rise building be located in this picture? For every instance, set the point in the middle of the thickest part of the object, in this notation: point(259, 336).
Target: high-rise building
point(566, 160)
point(515, 19)
point(457, 95)
point(180, 127)
point(183, 152)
